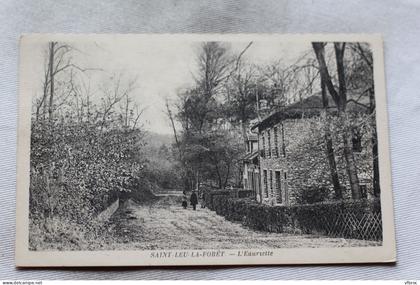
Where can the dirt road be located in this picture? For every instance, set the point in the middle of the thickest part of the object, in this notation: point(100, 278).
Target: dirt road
point(164, 224)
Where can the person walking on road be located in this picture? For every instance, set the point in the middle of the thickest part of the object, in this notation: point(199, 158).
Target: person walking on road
point(194, 200)
point(184, 199)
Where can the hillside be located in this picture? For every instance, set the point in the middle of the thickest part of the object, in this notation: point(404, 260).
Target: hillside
point(156, 140)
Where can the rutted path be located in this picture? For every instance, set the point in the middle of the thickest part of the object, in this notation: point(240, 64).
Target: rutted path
point(164, 224)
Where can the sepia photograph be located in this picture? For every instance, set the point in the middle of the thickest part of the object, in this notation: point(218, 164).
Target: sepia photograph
point(141, 150)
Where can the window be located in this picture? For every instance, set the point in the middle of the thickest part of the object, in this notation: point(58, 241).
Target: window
point(252, 182)
point(249, 180)
point(257, 183)
point(363, 191)
point(276, 142)
point(269, 143)
point(263, 145)
point(285, 189)
point(271, 182)
point(357, 140)
point(278, 187)
point(265, 184)
point(283, 146)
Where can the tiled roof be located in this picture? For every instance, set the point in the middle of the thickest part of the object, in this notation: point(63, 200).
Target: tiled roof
point(311, 106)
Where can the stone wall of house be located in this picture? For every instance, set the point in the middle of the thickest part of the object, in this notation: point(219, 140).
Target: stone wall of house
point(304, 165)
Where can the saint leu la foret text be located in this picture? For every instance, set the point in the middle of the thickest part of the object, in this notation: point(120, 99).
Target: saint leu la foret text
point(211, 253)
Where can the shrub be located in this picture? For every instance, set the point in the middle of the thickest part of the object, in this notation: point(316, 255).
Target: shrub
point(245, 193)
point(312, 194)
point(209, 195)
point(328, 218)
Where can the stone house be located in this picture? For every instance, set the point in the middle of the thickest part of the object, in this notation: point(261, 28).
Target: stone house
point(292, 159)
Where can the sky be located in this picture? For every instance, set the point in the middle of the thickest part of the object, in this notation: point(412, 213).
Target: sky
point(162, 66)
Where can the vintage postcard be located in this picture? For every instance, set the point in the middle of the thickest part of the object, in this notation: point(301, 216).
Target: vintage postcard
point(152, 150)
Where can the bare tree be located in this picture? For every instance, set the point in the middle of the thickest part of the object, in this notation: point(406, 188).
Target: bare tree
point(113, 95)
point(364, 80)
point(241, 100)
point(279, 81)
point(137, 115)
point(171, 118)
point(329, 145)
point(58, 61)
point(298, 79)
point(340, 99)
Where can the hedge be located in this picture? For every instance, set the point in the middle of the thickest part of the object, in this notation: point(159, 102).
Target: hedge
point(349, 219)
point(209, 195)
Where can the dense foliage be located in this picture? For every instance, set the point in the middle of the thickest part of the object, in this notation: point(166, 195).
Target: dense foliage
point(85, 152)
point(231, 93)
point(80, 164)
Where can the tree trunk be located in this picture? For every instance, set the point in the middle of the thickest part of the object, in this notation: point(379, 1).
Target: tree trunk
point(219, 177)
point(339, 49)
point(329, 146)
point(178, 145)
point(51, 63)
point(374, 140)
point(127, 103)
point(340, 99)
point(227, 176)
point(244, 132)
point(197, 181)
point(376, 184)
point(42, 103)
point(349, 158)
